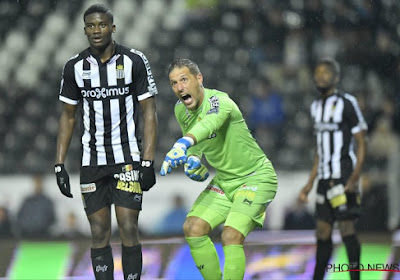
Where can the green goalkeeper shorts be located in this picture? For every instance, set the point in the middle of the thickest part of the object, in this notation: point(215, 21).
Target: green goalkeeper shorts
point(239, 203)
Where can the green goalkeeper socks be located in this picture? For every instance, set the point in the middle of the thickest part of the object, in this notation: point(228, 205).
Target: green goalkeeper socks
point(205, 256)
point(235, 262)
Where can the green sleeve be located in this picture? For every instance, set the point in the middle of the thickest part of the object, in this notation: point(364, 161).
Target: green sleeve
point(213, 120)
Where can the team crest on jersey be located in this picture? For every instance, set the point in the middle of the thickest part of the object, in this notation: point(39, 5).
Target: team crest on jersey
point(120, 72)
point(86, 74)
point(214, 102)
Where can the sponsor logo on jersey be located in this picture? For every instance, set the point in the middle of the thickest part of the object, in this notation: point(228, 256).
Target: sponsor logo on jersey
point(212, 136)
point(120, 73)
point(215, 189)
point(99, 93)
point(86, 74)
point(214, 102)
point(319, 127)
point(87, 188)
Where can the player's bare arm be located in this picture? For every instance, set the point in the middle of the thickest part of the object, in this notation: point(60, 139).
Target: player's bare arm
point(308, 187)
point(351, 184)
point(148, 106)
point(65, 131)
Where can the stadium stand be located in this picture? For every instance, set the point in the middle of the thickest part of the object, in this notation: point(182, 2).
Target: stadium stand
point(233, 43)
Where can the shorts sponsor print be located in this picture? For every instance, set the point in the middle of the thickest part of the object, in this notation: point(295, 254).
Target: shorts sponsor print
point(243, 207)
point(110, 189)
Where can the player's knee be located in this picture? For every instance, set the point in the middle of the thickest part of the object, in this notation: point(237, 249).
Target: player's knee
point(231, 236)
point(347, 228)
point(323, 231)
point(100, 233)
point(128, 227)
point(194, 227)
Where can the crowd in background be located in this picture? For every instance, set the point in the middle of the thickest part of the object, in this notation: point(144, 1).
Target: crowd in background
point(260, 52)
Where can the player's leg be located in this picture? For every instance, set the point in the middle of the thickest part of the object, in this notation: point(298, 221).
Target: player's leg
point(101, 253)
point(352, 244)
point(324, 248)
point(132, 260)
point(209, 211)
point(346, 222)
point(235, 259)
point(127, 198)
point(250, 201)
point(325, 219)
point(203, 251)
point(97, 206)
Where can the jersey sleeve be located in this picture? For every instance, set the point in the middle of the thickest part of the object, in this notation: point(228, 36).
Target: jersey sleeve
point(354, 115)
point(69, 90)
point(144, 85)
point(218, 113)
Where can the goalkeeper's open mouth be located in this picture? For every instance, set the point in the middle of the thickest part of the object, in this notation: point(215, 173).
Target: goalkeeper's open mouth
point(186, 99)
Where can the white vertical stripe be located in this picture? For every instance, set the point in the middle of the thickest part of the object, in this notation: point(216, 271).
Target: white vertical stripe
point(328, 108)
point(131, 128)
point(319, 152)
point(128, 70)
point(115, 131)
point(86, 134)
point(362, 125)
point(337, 148)
point(95, 75)
point(99, 134)
point(78, 70)
point(112, 74)
point(318, 112)
point(326, 153)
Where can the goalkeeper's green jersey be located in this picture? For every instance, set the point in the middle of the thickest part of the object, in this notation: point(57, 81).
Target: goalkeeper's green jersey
point(222, 135)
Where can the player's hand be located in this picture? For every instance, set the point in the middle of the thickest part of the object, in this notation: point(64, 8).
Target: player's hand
point(147, 177)
point(195, 170)
point(351, 185)
point(303, 195)
point(176, 156)
point(63, 180)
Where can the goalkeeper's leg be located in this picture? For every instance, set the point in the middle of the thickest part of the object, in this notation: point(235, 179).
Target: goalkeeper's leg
point(202, 248)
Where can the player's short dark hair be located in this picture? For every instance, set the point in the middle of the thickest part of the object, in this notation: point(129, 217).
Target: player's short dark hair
point(99, 8)
point(182, 62)
point(331, 63)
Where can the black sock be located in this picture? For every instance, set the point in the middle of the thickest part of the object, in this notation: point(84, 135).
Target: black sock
point(132, 262)
point(353, 249)
point(324, 251)
point(103, 263)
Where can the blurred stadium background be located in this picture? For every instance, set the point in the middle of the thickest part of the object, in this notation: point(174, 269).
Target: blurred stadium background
point(236, 43)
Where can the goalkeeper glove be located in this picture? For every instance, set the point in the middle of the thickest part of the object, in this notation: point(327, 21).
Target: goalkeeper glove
point(195, 170)
point(147, 176)
point(63, 180)
point(177, 155)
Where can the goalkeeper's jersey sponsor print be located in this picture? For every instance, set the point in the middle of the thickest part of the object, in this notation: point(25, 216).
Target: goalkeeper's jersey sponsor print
point(222, 135)
point(109, 93)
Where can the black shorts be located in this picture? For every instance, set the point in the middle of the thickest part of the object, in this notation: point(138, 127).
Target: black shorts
point(106, 188)
point(332, 203)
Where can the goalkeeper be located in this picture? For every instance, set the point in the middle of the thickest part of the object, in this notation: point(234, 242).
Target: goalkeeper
point(245, 181)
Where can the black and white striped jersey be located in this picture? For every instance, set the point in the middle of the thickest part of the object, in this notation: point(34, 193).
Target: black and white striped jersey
point(335, 120)
point(109, 93)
